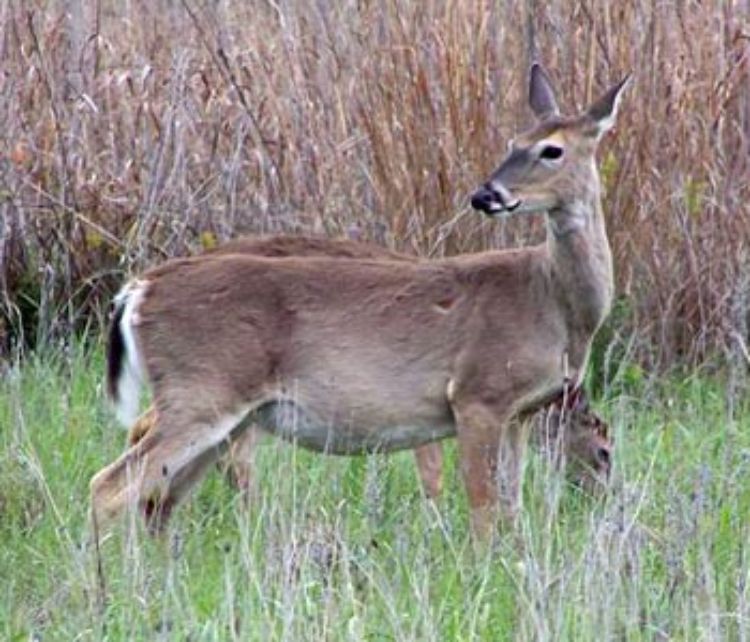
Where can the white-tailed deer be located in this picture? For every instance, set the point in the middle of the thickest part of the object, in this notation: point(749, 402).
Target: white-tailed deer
point(372, 354)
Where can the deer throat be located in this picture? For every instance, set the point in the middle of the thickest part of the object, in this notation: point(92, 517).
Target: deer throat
point(581, 271)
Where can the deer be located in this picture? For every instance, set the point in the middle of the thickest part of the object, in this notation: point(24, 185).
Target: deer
point(374, 355)
point(566, 431)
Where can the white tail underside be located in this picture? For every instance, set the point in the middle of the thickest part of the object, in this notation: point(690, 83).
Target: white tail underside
point(130, 381)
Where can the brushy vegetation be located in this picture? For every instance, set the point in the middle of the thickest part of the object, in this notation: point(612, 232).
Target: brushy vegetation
point(348, 549)
point(140, 130)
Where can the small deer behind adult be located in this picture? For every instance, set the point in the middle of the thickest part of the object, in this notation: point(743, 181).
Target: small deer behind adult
point(374, 355)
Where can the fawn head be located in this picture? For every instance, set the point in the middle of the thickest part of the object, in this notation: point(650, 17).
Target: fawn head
point(576, 435)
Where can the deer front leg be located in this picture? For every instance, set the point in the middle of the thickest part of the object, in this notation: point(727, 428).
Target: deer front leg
point(512, 459)
point(429, 460)
point(491, 451)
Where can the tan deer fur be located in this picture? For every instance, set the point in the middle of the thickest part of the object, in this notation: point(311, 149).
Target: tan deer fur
point(585, 447)
point(372, 354)
point(428, 458)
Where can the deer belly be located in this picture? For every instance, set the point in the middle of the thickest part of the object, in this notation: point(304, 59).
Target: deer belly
point(338, 436)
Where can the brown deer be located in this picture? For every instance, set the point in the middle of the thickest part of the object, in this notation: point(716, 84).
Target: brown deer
point(372, 354)
point(568, 430)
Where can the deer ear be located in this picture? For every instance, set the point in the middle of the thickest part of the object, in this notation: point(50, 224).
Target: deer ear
point(541, 95)
point(578, 400)
point(602, 428)
point(603, 113)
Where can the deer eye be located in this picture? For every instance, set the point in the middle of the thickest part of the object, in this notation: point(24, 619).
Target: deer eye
point(551, 152)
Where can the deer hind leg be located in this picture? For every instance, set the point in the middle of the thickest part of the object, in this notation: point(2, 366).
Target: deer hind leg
point(429, 459)
point(142, 426)
point(238, 461)
point(159, 470)
point(491, 451)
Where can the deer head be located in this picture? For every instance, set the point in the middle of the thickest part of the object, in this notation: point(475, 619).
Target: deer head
point(575, 437)
point(551, 165)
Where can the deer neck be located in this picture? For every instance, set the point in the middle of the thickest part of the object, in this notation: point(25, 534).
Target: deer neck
point(581, 266)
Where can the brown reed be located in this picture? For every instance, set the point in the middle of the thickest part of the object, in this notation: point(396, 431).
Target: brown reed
point(136, 131)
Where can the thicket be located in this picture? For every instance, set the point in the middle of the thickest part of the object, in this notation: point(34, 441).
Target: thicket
point(136, 131)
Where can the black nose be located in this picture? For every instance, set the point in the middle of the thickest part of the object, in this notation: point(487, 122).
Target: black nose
point(603, 456)
point(490, 200)
point(485, 200)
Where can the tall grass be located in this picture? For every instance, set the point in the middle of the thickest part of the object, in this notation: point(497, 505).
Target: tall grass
point(348, 548)
point(140, 130)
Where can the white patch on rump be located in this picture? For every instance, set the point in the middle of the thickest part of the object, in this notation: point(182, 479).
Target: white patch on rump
point(450, 390)
point(131, 378)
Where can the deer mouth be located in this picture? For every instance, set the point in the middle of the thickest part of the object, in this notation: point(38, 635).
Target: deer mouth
point(594, 482)
point(493, 199)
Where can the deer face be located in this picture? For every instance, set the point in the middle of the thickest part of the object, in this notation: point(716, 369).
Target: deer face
point(588, 453)
point(577, 437)
point(551, 165)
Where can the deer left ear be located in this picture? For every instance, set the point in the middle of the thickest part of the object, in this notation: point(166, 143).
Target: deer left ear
point(603, 113)
point(579, 402)
point(541, 94)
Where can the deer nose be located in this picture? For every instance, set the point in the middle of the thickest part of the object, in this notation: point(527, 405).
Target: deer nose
point(603, 456)
point(484, 200)
point(491, 199)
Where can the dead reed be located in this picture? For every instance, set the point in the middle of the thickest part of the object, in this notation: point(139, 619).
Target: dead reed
point(140, 130)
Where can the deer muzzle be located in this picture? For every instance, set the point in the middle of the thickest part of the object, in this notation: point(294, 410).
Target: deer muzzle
point(494, 198)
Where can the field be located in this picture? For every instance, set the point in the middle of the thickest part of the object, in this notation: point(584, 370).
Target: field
point(335, 548)
point(137, 131)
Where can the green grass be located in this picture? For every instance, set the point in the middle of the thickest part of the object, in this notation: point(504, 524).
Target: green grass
point(348, 549)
